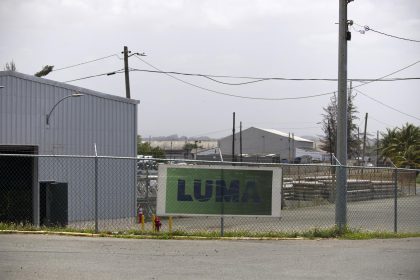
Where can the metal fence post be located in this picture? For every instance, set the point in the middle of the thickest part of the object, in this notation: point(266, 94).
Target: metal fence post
point(222, 209)
point(396, 200)
point(96, 190)
point(341, 196)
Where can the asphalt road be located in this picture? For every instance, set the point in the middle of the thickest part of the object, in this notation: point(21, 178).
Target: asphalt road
point(60, 257)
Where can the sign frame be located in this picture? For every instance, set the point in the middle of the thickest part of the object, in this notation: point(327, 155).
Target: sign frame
point(276, 184)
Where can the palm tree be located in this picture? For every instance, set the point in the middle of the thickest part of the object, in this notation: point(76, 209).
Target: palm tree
point(402, 146)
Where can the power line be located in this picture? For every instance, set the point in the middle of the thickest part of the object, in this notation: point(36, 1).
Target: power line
point(86, 62)
point(211, 77)
point(263, 98)
point(390, 107)
point(98, 75)
point(211, 132)
point(383, 77)
point(367, 28)
point(256, 79)
point(233, 95)
point(379, 121)
point(171, 74)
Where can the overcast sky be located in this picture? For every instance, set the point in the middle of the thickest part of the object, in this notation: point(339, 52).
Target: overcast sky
point(272, 38)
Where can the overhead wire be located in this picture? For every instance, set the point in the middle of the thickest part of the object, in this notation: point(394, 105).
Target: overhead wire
point(383, 77)
point(86, 62)
point(259, 79)
point(233, 95)
point(379, 121)
point(211, 77)
point(172, 75)
point(98, 75)
point(386, 105)
point(367, 28)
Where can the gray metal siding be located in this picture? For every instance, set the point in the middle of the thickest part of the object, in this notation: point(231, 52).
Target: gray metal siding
point(75, 125)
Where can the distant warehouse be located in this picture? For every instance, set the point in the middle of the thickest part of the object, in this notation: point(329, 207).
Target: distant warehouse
point(44, 117)
point(266, 145)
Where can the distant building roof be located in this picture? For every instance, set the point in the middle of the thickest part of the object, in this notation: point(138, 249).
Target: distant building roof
point(277, 132)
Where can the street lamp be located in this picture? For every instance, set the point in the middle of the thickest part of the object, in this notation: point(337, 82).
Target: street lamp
point(76, 94)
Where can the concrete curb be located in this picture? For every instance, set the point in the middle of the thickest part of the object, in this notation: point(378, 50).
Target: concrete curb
point(81, 234)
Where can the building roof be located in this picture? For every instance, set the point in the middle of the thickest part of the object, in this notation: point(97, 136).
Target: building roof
point(66, 86)
point(273, 131)
point(277, 132)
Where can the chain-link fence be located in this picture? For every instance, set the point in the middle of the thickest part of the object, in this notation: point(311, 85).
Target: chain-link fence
point(108, 193)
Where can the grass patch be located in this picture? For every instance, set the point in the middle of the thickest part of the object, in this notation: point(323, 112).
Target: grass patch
point(30, 227)
point(315, 233)
point(355, 235)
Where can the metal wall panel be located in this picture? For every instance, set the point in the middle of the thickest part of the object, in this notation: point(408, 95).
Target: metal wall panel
point(76, 125)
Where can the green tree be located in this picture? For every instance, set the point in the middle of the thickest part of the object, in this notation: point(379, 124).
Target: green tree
point(190, 146)
point(45, 71)
point(145, 149)
point(329, 127)
point(402, 146)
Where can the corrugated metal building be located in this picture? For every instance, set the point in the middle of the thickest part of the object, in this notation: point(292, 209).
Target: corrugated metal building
point(262, 142)
point(75, 125)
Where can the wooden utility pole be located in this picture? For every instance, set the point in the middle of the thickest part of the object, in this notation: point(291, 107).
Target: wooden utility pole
point(126, 71)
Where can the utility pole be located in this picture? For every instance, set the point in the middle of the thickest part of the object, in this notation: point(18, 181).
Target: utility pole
point(358, 145)
point(364, 140)
point(233, 138)
point(293, 147)
point(341, 187)
point(126, 71)
point(290, 156)
point(127, 54)
point(240, 141)
point(377, 148)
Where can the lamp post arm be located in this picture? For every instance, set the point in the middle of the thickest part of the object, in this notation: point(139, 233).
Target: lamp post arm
point(59, 101)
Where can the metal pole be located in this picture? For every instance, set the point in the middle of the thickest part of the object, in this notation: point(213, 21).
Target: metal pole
point(233, 138)
point(341, 187)
point(240, 141)
point(377, 148)
point(396, 200)
point(126, 71)
point(293, 147)
point(289, 149)
point(222, 208)
point(364, 140)
point(96, 190)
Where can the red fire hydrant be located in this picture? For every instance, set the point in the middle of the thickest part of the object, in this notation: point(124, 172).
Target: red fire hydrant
point(158, 223)
point(140, 214)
